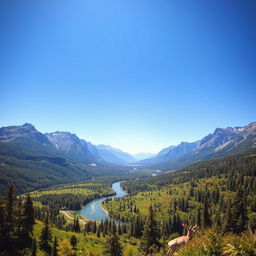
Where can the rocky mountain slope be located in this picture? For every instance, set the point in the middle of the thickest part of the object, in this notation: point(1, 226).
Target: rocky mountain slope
point(222, 142)
point(78, 149)
point(31, 160)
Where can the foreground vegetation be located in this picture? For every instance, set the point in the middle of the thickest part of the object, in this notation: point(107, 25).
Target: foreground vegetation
point(21, 235)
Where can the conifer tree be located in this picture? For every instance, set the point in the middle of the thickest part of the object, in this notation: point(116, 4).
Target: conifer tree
point(199, 217)
point(239, 212)
point(228, 220)
point(9, 221)
point(217, 222)
point(119, 230)
point(151, 234)
point(73, 241)
point(54, 247)
point(9, 208)
point(2, 229)
point(45, 237)
point(34, 247)
point(94, 227)
point(113, 246)
point(76, 225)
point(138, 226)
point(206, 220)
point(19, 217)
point(98, 232)
point(28, 219)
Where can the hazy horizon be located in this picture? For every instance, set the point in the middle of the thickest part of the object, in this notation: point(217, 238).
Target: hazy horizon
point(136, 75)
point(120, 147)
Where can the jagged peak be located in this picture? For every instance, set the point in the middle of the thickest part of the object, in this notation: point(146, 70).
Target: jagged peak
point(252, 124)
point(28, 125)
point(62, 133)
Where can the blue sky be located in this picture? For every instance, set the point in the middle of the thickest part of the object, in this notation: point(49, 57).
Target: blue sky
point(139, 75)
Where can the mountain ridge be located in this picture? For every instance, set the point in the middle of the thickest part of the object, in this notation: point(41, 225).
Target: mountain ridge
point(114, 155)
point(74, 146)
point(222, 142)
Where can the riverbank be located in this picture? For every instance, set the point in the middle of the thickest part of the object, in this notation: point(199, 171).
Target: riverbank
point(104, 210)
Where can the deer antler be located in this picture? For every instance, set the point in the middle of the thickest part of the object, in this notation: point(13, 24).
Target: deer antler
point(194, 228)
point(185, 226)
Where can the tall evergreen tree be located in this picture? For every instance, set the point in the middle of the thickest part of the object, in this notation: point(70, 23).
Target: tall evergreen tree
point(9, 221)
point(239, 211)
point(206, 220)
point(228, 222)
point(55, 247)
point(45, 237)
point(76, 225)
point(9, 208)
point(199, 217)
point(149, 241)
point(3, 238)
point(28, 219)
point(34, 247)
point(217, 222)
point(19, 217)
point(73, 241)
point(98, 232)
point(113, 246)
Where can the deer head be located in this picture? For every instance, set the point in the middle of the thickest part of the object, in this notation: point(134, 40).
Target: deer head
point(190, 229)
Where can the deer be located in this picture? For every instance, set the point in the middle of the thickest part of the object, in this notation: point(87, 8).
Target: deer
point(181, 240)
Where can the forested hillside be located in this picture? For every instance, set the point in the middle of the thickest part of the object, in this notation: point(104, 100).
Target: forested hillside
point(218, 196)
point(29, 171)
point(206, 193)
point(30, 161)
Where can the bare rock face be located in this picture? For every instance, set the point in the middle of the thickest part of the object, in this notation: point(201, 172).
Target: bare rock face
point(72, 145)
point(26, 131)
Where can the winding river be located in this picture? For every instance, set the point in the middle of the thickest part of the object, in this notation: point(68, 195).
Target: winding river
point(94, 211)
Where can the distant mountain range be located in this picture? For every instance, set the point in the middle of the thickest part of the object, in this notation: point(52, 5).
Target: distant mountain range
point(32, 160)
point(68, 144)
point(86, 152)
point(222, 142)
point(141, 156)
point(113, 155)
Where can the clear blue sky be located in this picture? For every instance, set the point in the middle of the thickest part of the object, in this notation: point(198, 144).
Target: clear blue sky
point(135, 74)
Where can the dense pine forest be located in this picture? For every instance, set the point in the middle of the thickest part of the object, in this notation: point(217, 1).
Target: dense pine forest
point(205, 193)
point(218, 196)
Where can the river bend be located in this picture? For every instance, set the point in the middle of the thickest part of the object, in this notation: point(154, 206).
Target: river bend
point(94, 211)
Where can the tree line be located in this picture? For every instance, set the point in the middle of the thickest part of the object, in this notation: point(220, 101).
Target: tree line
point(16, 224)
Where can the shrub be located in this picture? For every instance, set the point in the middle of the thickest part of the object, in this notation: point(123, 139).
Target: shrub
point(210, 243)
point(244, 245)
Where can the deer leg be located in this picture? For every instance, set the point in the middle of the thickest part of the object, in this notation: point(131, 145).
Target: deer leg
point(170, 251)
